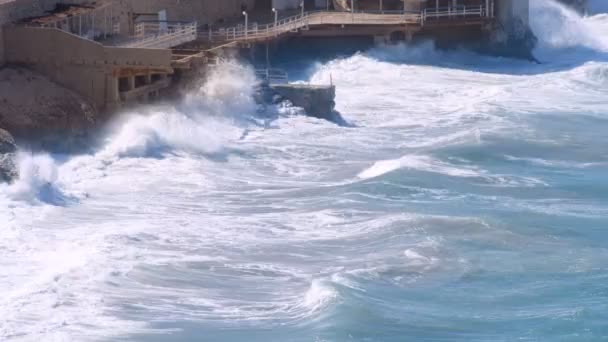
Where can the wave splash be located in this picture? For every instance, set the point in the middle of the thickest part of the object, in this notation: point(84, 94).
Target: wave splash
point(38, 174)
point(203, 122)
point(560, 27)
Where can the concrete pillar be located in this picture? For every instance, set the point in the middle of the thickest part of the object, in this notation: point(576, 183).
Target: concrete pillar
point(512, 13)
point(382, 39)
point(148, 78)
point(513, 36)
point(409, 36)
point(2, 57)
point(131, 82)
point(112, 89)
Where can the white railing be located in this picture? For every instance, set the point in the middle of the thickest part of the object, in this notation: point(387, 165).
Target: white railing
point(158, 35)
point(304, 21)
point(454, 12)
point(272, 76)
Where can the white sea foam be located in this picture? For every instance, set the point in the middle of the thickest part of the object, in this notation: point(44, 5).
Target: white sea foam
point(558, 26)
point(318, 295)
point(422, 163)
point(204, 122)
point(37, 177)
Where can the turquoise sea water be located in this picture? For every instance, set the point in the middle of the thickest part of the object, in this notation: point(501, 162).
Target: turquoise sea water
point(467, 200)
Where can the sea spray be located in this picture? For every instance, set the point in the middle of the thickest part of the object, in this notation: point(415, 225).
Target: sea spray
point(37, 177)
point(560, 27)
point(205, 121)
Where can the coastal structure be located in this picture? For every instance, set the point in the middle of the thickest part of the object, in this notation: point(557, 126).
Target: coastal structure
point(117, 52)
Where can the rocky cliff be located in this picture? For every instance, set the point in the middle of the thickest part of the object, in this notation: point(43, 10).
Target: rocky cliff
point(38, 114)
point(8, 170)
point(41, 114)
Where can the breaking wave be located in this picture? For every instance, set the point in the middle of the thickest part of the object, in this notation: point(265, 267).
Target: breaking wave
point(204, 122)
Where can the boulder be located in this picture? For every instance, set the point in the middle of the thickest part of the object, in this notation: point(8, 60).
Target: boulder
point(8, 168)
point(41, 114)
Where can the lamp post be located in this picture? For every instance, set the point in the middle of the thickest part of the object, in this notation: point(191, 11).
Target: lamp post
point(302, 6)
point(276, 16)
point(246, 24)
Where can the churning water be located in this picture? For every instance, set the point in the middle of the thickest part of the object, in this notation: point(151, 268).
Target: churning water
point(467, 200)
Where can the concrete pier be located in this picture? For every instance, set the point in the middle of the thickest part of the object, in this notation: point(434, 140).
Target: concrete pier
point(317, 100)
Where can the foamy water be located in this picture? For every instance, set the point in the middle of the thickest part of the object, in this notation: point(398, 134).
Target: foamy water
point(468, 201)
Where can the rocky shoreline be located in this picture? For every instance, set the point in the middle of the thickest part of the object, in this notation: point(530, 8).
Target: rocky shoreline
point(8, 150)
point(37, 114)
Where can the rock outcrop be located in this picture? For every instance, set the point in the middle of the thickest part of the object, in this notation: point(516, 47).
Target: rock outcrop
point(8, 169)
point(41, 114)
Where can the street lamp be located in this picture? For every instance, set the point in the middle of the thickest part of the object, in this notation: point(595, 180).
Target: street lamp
point(276, 16)
point(246, 24)
point(302, 5)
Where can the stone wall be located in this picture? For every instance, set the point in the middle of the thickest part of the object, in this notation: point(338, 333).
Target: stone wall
point(79, 64)
point(14, 10)
point(202, 11)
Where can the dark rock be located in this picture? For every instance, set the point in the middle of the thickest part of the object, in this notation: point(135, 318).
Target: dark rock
point(8, 168)
point(7, 142)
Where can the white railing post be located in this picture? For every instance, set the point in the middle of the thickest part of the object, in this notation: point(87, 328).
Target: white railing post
point(246, 24)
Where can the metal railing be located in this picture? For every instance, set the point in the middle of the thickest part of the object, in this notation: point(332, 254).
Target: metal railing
point(161, 35)
point(454, 12)
point(304, 21)
point(272, 76)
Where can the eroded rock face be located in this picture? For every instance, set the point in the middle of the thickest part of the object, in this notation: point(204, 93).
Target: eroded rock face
point(8, 169)
point(7, 142)
point(41, 114)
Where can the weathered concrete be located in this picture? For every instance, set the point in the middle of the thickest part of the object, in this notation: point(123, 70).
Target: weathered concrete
point(14, 10)
point(42, 114)
point(317, 100)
